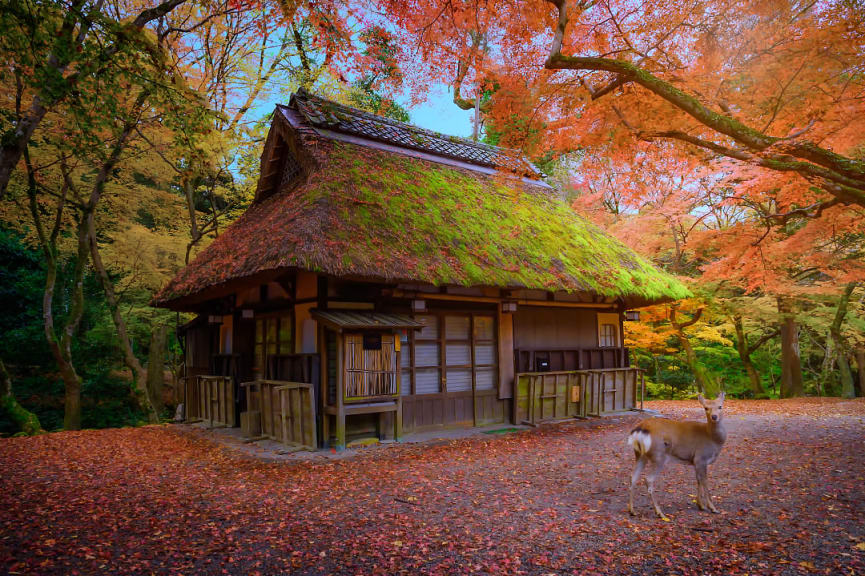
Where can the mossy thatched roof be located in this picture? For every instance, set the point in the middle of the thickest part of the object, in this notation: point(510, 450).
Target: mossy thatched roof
point(379, 215)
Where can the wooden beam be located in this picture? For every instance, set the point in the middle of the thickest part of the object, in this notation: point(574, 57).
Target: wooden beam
point(490, 299)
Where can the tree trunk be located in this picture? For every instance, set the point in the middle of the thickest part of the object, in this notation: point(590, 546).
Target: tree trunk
point(705, 385)
point(26, 421)
point(61, 349)
point(72, 404)
point(745, 356)
point(826, 379)
point(860, 365)
point(155, 366)
point(791, 366)
point(139, 374)
point(12, 151)
point(700, 379)
point(848, 389)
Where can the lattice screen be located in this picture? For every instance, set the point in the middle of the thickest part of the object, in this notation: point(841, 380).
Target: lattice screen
point(369, 373)
point(290, 169)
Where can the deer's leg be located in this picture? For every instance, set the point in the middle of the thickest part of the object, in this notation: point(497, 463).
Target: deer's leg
point(701, 486)
point(703, 483)
point(635, 478)
point(650, 481)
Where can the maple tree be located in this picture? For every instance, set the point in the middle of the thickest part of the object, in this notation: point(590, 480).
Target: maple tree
point(766, 85)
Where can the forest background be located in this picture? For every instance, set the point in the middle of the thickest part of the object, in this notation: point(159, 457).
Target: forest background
point(724, 140)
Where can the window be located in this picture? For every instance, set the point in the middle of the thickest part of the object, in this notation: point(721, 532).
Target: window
point(427, 358)
point(458, 353)
point(607, 336)
point(272, 336)
point(608, 329)
point(486, 355)
point(290, 169)
point(470, 354)
point(225, 334)
point(369, 365)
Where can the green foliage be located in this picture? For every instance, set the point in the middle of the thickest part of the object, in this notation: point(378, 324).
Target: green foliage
point(107, 398)
point(668, 378)
point(384, 74)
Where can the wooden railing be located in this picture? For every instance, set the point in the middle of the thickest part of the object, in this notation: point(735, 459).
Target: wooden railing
point(613, 390)
point(570, 359)
point(282, 411)
point(210, 399)
point(543, 396)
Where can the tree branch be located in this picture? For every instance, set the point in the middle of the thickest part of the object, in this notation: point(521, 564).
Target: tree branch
point(681, 326)
point(763, 339)
point(840, 176)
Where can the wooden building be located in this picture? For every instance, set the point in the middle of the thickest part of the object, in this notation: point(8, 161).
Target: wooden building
point(387, 279)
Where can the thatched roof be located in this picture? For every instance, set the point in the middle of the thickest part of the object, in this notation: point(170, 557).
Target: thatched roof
point(371, 212)
point(325, 114)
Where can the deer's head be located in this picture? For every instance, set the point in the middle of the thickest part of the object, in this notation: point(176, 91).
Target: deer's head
point(713, 407)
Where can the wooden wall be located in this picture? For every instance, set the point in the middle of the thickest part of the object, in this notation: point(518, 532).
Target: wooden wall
point(456, 409)
point(537, 327)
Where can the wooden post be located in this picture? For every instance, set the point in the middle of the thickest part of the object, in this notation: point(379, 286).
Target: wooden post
point(285, 414)
point(474, 383)
point(397, 420)
point(314, 432)
point(187, 384)
point(397, 416)
point(340, 392)
point(205, 400)
point(322, 401)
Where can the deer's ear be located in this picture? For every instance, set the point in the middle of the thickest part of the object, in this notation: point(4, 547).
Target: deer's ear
point(701, 399)
point(721, 396)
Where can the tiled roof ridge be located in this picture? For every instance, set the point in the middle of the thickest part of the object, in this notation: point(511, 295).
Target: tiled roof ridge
point(324, 113)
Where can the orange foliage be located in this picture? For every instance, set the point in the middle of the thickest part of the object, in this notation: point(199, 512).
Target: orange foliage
point(781, 71)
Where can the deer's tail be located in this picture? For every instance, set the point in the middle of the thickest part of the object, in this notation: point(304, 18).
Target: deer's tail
point(640, 440)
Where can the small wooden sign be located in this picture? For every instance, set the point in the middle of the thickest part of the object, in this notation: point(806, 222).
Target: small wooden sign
point(575, 393)
point(372, 341)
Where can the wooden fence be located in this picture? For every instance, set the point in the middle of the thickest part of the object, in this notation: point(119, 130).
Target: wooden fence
point(210, 399)
point(613, 390)
point(282, 411)
point(545, 396)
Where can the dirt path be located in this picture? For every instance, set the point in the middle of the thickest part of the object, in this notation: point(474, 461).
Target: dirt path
point(549, 501)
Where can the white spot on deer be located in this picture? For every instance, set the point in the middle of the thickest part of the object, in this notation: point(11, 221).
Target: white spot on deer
point(640, 441)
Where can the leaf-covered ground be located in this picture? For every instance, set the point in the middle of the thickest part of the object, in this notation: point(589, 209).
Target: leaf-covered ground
point(166, 500)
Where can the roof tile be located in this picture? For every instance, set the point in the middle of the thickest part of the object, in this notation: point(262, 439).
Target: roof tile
point(330, 115)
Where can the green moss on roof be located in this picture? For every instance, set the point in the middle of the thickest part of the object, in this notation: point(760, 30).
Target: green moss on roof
point(382, 215)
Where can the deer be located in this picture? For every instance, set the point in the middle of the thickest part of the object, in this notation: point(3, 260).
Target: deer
point(656, 440)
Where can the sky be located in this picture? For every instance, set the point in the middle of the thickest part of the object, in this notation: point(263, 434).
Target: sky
point(439, 113)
